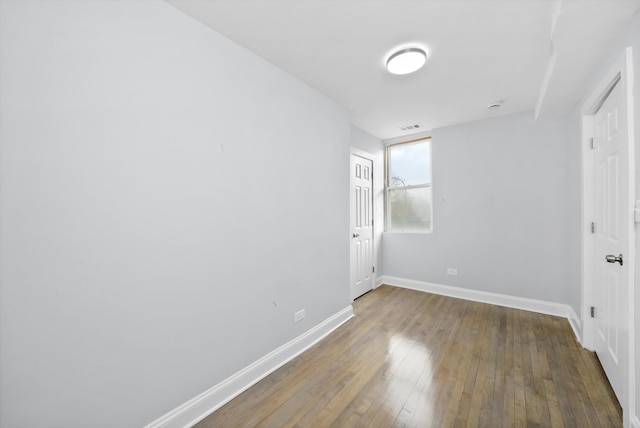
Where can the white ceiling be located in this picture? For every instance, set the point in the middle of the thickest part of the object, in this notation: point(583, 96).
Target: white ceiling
point(529, 54)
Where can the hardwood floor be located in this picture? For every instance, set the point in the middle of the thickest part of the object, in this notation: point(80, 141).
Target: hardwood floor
point(413, 359)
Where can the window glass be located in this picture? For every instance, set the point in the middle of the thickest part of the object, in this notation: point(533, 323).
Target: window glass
point(410, 209)
point(408, 192)
point(409, 164)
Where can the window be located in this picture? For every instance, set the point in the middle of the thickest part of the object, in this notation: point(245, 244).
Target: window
point(408, 186)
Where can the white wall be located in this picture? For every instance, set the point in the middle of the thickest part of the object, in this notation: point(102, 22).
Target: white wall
point(500, 211)
point(168, 201)
point(373, 145)
point(630, 37)
point(574, 213)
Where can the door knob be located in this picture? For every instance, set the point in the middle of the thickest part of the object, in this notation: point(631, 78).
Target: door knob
point(355, 235)
point(612, 259)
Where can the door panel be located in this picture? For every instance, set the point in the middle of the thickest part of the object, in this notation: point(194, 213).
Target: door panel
point(612, 208)
point(361, 226)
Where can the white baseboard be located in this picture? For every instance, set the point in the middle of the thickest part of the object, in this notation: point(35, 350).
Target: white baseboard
point(196, 409)
point(540, 306)
point(576, 324)
point(635, 422)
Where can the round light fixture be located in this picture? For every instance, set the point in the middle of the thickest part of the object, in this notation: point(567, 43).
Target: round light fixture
point(406, 61)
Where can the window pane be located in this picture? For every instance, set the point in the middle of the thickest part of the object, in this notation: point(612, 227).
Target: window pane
point(409, 164)
point(410, 209)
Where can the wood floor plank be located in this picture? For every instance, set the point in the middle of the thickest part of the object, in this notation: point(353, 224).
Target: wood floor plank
point(387, 405)
point(520, 416)
point(414, 359)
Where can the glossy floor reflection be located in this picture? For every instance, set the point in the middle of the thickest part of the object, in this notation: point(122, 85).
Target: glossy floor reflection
point(413, 359)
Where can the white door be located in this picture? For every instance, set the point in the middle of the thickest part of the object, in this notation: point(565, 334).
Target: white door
point(362, 269)
point(612, 239)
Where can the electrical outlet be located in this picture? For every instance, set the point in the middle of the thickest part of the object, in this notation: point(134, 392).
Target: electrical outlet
point(299, 315)
point(452, 271)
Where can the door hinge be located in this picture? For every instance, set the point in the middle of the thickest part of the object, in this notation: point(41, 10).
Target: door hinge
point(593, 227)
point(373, 269)
point(593, 143)
point(593, 311)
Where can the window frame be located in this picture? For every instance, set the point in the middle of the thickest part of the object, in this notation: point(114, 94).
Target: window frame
point(388, 188)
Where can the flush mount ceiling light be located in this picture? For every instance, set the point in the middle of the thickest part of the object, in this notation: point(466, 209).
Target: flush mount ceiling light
point(406, 61)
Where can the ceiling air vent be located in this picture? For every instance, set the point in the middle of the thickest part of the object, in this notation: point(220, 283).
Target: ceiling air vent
point(411, 127)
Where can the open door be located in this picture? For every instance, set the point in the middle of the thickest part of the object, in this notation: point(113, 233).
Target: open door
point(611, 240)
point(609, 230)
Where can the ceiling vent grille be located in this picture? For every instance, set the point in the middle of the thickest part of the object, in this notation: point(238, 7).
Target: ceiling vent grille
point(411, 127)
